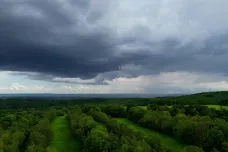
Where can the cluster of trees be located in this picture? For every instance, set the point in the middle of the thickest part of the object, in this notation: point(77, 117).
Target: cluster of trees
point(100, 133)
point(114, 110)
point(27, 130)
point(40, 136)
point(194, 110)
point(92, 134)
point(27, 103)
point(15, 129)
point(210, 133)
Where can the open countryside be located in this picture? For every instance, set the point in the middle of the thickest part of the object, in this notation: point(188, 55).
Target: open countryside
point(166, 124)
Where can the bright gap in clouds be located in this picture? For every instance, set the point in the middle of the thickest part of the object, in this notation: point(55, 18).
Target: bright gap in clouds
point(167, 83)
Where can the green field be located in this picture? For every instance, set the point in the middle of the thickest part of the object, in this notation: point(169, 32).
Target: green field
point(62, 138)
point(218, 107)
point(169, 142)
point(143, 107)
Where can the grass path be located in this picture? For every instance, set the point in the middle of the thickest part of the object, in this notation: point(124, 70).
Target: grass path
point(169, 142)
point(217, 107)
point(63, 141)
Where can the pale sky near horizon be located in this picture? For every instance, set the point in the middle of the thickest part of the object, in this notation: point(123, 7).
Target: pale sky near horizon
point(113, 46)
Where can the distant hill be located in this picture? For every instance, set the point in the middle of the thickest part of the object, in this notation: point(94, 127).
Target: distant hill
point(77, 96)
point(220, 97)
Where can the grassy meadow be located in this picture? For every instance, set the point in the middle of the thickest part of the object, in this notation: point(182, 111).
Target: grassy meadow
point(62, 137)
point(169, 142)
point(218, 107)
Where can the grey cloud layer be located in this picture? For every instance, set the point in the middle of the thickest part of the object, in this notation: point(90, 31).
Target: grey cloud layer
point(82, 39)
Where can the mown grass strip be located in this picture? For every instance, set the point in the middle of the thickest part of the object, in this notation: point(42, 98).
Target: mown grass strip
point(169, 142)
point(63, 140)
point(217, 107)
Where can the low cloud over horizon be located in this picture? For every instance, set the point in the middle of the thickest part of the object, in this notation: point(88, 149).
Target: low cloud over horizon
point(113, 46)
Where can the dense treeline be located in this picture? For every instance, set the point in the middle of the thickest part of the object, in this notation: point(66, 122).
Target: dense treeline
point(193, 125)
point(12, 104)
point(41, 133)
point(99, 133)
point(15, 129)
point(27, 130)
point(36, 103)
point(40, 136)
point(218, 98)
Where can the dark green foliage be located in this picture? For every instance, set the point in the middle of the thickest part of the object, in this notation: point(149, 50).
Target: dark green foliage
point(40, 136)
point(193, 125)
point(187, 119)
point(114, 110)
point(127, 137)
point(136, 113)
point(14, 130)
point(225, 146)
point(155, 143)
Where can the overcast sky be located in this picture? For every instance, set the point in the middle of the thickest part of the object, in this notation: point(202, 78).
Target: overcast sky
point(113, 46)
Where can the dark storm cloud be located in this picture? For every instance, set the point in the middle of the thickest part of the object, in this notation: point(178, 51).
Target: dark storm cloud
point(45, 37)
point(22, 47)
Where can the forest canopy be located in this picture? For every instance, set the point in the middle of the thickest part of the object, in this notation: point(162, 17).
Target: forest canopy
point(138, 125)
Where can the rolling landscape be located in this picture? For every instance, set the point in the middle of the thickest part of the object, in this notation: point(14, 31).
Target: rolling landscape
point(189, 123)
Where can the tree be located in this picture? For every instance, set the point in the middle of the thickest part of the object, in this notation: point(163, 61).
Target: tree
point(225, 146)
